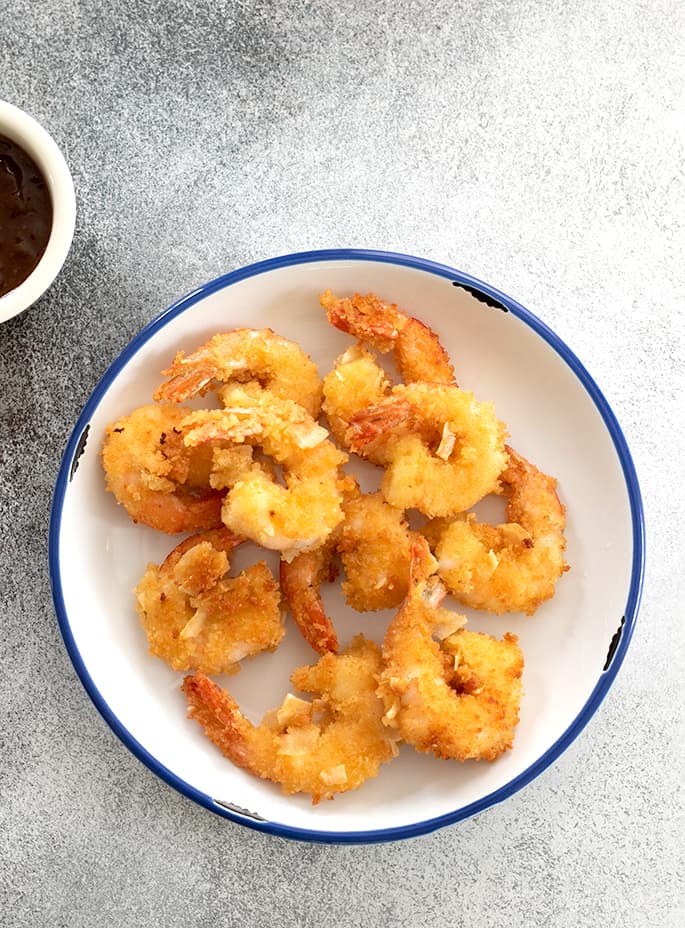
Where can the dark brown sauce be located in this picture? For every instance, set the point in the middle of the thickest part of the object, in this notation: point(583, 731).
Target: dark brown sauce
point(25, 215)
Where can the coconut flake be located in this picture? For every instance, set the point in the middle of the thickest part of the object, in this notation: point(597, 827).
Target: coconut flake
point(447, 442)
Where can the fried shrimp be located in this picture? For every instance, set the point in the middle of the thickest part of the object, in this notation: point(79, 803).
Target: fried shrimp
point(155, 477)
point(245, 356)
point(417, 351)
point(512, 567)
point(253, 463)
point(230, 464)
point(292, 518)
point(374, 543)
point(197, 618)
point(443, 450)
point(329, 745)
point(459, 697)
point(355, 382)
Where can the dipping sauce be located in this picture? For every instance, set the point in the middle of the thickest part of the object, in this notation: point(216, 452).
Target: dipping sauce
point(25, 215)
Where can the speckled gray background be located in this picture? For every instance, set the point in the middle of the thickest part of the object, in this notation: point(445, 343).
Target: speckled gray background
point(538, 146)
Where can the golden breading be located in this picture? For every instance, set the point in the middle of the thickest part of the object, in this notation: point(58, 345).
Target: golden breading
point(512, 567)
point(355, 383)
point(197, 618)
point(374, 543)
point(458, 697)
point(159, 481)
point(245, 356)
point(292, 518)
point(329, 745)
point(443, 450)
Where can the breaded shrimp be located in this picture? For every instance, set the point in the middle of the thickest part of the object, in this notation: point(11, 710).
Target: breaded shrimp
point(197, 618)
point(324, 747)
point(292, 518)
point(231, 464)
point(416, 348)
point(155, 477)
point(443, 449)
point(355, 382)
point(374, 543)
point(457, 698)
point(512, 567)
point(243, 356)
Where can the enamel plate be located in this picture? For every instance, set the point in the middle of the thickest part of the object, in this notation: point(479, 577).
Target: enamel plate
point(573, 645)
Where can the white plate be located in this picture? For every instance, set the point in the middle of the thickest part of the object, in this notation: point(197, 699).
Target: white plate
point(573, 645)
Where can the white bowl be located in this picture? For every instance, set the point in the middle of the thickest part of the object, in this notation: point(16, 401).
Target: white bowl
point(33, 138)
point(573, 646)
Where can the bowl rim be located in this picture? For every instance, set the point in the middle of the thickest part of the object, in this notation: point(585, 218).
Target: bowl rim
point(619, 645)
point(27, 132)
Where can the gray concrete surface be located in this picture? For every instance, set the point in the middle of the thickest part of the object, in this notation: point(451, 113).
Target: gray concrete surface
point(538, 146)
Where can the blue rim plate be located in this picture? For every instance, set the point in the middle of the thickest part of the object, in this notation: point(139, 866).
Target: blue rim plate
point(532, 330)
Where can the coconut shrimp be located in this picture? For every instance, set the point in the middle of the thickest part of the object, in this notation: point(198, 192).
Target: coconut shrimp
point(245, 356)
point(197, 618)
point(457, 697)
point(512, 567)
point(443, 450)
point(417, 351)
point(155, 477)
point(374, 543)
point(292, 518)
point(232, 463)
point(355, 382)
point(329, 745)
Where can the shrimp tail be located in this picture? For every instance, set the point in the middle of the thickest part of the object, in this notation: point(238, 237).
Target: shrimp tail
point(422, 564)
point(188, 378)
point(417, 350)
point(301, 581)
point(421, 357)
point(365, 317)
point(220, 539)
point(220, 718)
point(372, 425)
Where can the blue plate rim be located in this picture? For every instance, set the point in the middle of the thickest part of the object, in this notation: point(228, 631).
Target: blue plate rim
point(625, 633)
